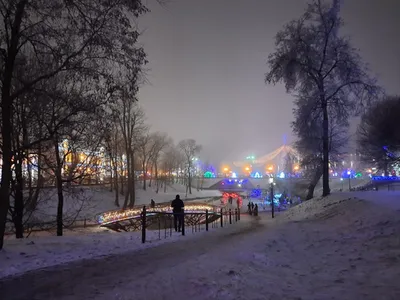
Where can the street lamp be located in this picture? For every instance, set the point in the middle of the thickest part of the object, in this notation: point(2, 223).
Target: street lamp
point(348, 174)
point(271, 182)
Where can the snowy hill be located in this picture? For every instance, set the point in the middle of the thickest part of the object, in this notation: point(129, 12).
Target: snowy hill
point(345, 246)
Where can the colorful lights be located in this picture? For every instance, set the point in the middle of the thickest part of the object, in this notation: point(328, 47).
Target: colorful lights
point(384, 178)
point(256, 175)
point(209, 174)
point(121, 215)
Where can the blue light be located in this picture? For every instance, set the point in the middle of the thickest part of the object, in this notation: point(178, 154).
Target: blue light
point(384, 178)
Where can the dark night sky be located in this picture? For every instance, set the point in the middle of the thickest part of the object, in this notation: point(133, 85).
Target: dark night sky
point(207, 64)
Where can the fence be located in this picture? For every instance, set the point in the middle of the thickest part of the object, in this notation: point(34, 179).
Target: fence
point(197, 221)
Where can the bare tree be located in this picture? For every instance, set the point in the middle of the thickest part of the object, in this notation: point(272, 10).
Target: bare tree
point(308, 128)
point(130, 118)
point(311, 55)
point(189, 149)
point(378, 135)
point(63, 36)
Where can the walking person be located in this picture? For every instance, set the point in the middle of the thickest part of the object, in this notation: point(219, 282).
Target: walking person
point(177, 209)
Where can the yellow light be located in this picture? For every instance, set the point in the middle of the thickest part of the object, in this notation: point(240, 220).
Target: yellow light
point(247, 169)
point(226, 169)
point(296, 167)
point(270, 168)
point(121, 215)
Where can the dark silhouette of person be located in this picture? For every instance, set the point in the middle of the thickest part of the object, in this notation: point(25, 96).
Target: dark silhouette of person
point(255, 211)
point(177, 209)
point(152, 204)
point(249, 208)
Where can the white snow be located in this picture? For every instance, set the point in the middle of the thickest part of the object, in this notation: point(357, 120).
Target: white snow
point(87, 202)
point(339, 247)
point(19, 256)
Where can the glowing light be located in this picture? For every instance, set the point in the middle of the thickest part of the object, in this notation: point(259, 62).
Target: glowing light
point(234, 175)
point(247, 169)
point(256, 175)
point(121, 215)
point(271, 180)
point(226, 169)
point(296, 168)
point(209, 174)
point(282, 175)
point(270, 168)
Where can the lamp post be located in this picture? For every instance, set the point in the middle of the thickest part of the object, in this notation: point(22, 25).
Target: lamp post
point(341, 180)
point(348, 174)
point(271, 181)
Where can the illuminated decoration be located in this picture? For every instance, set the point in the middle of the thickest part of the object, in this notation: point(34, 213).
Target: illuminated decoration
point(256, 193)
point(358, 175)
point(256, 175)
point(209, 174)
point(384, 178)
point(232, 181)
point(226, 170)
point(234, 175)
point(225, 198)
point(270, 168)
point(247, 169)
point(348, 174)
point(122, 215)
point(282, 175)
point(251, 157)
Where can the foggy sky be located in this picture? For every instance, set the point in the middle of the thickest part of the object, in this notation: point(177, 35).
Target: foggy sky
point(207, 60)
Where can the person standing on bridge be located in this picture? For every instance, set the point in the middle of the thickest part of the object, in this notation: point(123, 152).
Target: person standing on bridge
point(177, 208)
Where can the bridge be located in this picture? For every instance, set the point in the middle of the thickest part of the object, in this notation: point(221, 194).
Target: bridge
point(160, 216)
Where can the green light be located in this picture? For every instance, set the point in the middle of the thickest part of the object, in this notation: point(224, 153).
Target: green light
point(209, 174)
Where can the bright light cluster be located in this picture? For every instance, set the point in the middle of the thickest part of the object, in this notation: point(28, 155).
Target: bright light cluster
point(121, 215)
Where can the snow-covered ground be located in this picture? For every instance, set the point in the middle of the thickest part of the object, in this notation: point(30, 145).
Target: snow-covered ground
point(340, 247)
point(24, 255)
point(87, 202)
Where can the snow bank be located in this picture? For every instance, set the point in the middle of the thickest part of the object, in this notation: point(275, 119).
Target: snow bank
point(340, 247)
point(19, 256)
point(345, 246)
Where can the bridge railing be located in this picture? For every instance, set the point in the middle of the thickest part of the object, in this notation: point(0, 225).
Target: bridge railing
point(162, 222)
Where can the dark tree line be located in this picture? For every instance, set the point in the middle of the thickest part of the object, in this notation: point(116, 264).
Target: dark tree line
point(58, 61)
point(378, 135)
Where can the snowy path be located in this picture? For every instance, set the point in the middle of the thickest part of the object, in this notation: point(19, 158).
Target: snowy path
point(337, 248)
point(89, 279)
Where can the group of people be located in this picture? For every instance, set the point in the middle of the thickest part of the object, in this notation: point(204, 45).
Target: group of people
point(252, 209)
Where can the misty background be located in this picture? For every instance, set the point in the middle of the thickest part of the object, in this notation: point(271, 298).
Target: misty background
point(207, 61)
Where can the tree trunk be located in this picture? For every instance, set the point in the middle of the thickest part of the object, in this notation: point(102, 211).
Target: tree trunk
point(18, 212)
point(128, 183)
point(325, 150)
point(144, 174)
point(151, 175)
point(60, 204)
point(116, 188)
point(189, 180)
point(132, 180)
point(156, 176)
point(6, 114)
point(313, 183)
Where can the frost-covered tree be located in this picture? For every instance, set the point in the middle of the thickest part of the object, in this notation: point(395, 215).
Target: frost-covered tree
point(311, 55)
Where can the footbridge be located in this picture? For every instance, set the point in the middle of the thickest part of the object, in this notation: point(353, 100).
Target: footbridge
point(161, 216)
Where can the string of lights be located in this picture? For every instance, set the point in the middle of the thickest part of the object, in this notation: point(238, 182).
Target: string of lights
point(122, 215)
